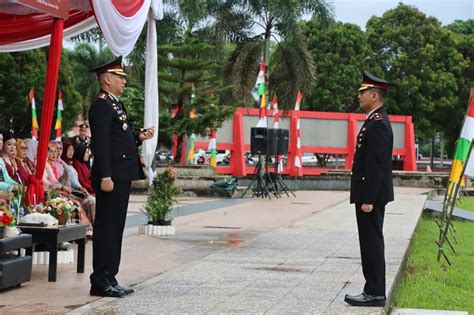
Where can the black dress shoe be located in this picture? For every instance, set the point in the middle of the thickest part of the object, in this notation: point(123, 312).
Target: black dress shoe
point(126, 290)
point(364, 299)
point(108, 291)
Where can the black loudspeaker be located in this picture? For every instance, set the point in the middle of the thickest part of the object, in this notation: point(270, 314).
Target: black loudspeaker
point(258, 141)
point(283, 136)
point(272, 141)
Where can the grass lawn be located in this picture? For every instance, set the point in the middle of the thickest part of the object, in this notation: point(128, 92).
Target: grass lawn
point(429, 284)
point(466, 203)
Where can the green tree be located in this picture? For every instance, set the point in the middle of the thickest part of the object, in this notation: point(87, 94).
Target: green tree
point(187, 83)
point(83, 58)
point(292, 63)
point(20, 72)
point(341, 53)
point(420, 58)
point(462, 33)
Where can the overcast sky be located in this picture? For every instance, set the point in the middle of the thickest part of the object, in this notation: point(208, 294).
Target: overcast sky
point(359, 11)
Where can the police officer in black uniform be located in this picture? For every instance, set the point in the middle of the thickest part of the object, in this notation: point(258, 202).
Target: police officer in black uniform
point(82, 138)
point(372, 188)
point(116, 164)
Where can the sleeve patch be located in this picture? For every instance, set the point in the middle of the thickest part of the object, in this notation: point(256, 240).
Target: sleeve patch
point(377, 116)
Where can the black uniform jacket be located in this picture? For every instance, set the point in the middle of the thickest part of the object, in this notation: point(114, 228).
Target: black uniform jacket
point(371, 179)
point(113, 142)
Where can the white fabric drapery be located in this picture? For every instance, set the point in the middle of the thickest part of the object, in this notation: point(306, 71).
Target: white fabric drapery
point(121, 32)
point(151, 98)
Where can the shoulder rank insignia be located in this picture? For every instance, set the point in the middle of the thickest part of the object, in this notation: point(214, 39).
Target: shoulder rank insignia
point(103, 96)
point(377, 116)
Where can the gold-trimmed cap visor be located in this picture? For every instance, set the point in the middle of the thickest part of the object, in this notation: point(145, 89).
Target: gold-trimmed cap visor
point(115, 66)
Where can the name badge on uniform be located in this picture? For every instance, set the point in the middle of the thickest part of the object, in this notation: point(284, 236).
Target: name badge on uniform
point(124, 126)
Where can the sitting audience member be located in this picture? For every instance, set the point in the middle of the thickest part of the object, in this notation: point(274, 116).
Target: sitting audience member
point(58, 162)
point(9, 156)
point(87, 200)
point(50, 175)
point(81, 157)
point(25, 166)
point(7, 184)
point(31, 151)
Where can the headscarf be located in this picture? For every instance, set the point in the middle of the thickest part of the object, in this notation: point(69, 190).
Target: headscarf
point(31, 149)
point(66, 145)
point(19, 142)
point(79, 152)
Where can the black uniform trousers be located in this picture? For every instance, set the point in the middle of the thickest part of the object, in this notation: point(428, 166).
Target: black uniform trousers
point(372, 248)
point(111, 213)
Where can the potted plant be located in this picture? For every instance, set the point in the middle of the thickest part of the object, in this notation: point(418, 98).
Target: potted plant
point(162, 196)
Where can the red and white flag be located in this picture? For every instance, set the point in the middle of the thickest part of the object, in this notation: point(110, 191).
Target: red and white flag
point(298, 154)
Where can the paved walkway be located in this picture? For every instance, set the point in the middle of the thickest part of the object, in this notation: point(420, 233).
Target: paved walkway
point(292, 255)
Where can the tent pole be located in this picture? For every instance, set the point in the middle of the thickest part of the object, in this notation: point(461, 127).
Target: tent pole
point(52, 72)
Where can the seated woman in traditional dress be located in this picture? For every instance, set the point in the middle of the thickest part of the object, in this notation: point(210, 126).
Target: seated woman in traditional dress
point(7, 184)
point(81, 157)
point(50, 175)
point(25, 166)
point(9, 156)
point(88, 200)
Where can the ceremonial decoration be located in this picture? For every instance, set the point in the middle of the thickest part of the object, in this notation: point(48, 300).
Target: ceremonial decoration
point(59, 117)
point(34, 118)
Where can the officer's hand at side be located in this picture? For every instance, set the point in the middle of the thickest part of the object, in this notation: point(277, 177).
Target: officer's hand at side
point(147, 134)
point(366, 207)
point(107, 185)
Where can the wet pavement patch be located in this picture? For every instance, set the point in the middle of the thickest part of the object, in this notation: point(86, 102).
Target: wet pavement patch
point(221, 227)
point(278, 269)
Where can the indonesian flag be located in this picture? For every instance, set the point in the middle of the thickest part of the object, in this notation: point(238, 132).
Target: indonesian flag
point(464, 143)
point(299, 154)
point(34, 118)
point(213, 148)
point(59, 118)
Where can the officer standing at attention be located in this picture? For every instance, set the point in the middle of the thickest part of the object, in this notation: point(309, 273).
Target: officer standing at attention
point(116, 164)
point(372, 188)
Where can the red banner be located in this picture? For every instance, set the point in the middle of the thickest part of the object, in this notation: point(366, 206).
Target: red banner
point(57, 8)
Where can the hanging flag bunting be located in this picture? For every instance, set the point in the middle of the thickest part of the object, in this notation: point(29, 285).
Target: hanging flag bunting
point(34, 118)
point(298, 155)
point(213, 148)
point(192, 115)
point(464, 142)
point(59, 118)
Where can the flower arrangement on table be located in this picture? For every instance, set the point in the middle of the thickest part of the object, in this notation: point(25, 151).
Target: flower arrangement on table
point(6, 220)
point(60, 208)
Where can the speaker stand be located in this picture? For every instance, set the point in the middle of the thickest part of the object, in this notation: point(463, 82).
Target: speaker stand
point(280, 184)
point(260, 179)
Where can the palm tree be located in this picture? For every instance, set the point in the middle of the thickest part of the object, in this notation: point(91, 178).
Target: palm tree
point(275, 25)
